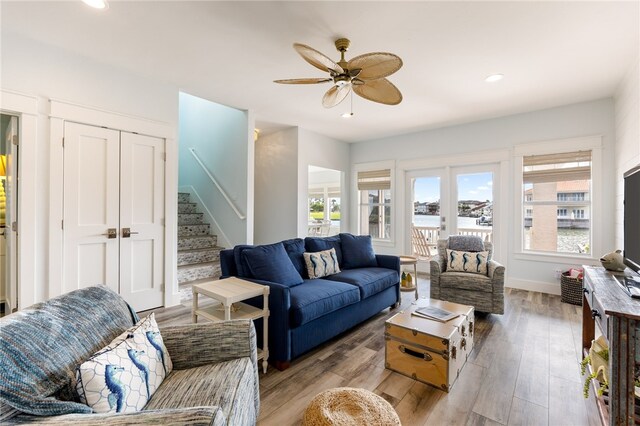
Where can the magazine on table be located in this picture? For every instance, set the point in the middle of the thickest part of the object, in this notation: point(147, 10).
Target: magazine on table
point(431, 312)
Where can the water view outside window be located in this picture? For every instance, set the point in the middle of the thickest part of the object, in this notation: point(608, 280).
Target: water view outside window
point(557, 202)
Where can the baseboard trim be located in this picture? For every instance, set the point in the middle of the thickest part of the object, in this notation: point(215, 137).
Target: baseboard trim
point(539, 286)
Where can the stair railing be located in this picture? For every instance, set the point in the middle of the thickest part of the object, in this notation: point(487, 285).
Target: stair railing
point(215, 182)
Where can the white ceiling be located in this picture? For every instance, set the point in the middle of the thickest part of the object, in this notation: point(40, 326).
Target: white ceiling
point(552, 53)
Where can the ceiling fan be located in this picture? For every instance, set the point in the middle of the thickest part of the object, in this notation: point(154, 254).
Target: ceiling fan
point(364, 74)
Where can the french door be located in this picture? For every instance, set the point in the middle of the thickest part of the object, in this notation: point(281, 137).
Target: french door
point(453, 201)
point(114, 213)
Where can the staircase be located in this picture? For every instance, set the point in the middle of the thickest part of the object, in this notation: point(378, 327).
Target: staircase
point(198, 253)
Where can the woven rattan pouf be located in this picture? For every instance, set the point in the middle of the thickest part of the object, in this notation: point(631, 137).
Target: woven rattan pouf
point(349, 406)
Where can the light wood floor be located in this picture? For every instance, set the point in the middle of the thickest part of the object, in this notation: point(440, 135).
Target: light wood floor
point(523, 371)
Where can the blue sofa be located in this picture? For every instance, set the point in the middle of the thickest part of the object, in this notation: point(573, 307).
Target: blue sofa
point(307, 312)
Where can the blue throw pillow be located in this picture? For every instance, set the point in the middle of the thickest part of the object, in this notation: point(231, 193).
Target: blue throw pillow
point(241, 264)
point(295, 250)
point(357, 251)
point(271, 263)
point(315, 244)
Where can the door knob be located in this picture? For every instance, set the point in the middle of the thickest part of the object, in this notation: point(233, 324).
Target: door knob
point(126, 232)
point(111, 233)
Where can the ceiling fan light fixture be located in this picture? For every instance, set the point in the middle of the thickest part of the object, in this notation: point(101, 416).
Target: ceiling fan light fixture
point(347, 115)
point(96, 4)
point(494, 78)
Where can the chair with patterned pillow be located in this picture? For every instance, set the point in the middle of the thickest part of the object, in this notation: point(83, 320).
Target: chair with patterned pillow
point(478, 285)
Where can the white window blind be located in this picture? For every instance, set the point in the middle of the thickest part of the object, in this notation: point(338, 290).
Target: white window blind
point(374, 180)
point(567, 166)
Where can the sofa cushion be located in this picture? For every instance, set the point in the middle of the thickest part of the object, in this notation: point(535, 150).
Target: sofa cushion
point(241, 264)
point(228, 385)
point(357, 251)
point(295, 249)
point(62, 332)
point(123, 376)
point(369, 280)
point(465, 243)
point(271, 263)
point(466, 281)
point(321, 263)
point(466, 261)
point(315, 298)
point(314, 244)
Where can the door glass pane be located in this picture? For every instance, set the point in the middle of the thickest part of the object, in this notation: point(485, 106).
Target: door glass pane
point(426, 215)
point(324, 191)
point(475, 204)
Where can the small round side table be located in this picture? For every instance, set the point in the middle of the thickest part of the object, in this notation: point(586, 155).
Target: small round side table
point(411, 260)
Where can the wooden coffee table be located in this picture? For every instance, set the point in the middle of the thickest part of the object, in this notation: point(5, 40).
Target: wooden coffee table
point(230, 292)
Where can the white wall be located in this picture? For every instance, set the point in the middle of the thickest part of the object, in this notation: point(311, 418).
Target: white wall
point(281, 195)
point(318, 150)
point(276, 186)
point(627, 146)
point(49, 72)
point(583, 119)
point(219, 135)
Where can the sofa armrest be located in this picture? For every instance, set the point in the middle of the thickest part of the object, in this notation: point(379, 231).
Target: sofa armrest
point(495, 271)
point(192, 416)
point(279, 329)
point(194, 345)
point(391, 262)
point(436, 267)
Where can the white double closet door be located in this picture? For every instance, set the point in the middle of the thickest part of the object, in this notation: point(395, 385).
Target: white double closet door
point(114, 213)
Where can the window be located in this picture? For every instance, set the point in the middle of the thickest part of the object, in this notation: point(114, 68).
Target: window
point(556, 204)
point(374, 187)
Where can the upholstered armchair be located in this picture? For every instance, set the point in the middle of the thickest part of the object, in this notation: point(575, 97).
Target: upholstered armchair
point(484, 292)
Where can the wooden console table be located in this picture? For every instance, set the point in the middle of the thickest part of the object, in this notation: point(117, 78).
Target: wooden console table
point(606, 305)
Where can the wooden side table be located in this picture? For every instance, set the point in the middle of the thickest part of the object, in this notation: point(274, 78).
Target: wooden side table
point(411, 260)
point(230, 292)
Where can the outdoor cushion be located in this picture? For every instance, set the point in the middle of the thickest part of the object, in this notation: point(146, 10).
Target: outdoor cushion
point(315, 298)
point(462, 281)
point(369, 280)
point(271, 263)
point(357, 251)
point(295, 250)
point(228, 385)
point(314, 244)
point(241, 264)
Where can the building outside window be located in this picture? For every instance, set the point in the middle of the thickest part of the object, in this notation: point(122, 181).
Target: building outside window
point(557, 202)
point(374, 188)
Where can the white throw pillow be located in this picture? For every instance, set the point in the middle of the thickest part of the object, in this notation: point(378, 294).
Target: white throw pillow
point(122, 377)
point(322, 263)
point(467, 261)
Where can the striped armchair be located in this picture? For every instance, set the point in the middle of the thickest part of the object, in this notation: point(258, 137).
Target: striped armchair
point(484, 293)
point(214, 379)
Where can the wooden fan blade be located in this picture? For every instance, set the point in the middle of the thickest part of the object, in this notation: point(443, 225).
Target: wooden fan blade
point(375, 65)
point(380, 90)
point(303, 80)
point(335, 95)
point(317, 59)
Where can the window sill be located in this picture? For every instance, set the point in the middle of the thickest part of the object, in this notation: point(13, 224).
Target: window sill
point(383, 243)
point(556, 258)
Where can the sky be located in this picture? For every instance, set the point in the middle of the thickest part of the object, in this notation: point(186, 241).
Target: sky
point(470, 187)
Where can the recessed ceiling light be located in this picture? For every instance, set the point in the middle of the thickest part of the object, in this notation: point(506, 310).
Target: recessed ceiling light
point(97, 4)
point(494, 77)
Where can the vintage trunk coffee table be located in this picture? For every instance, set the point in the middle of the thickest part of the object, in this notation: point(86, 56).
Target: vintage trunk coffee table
point(427, 350)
